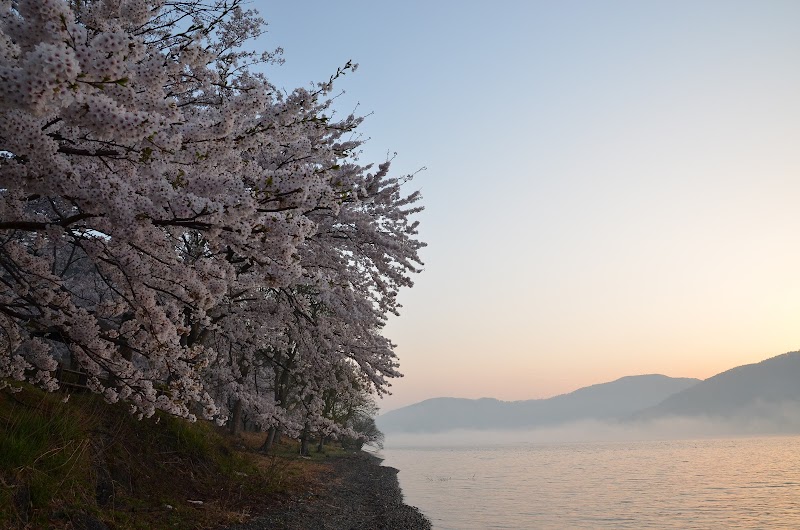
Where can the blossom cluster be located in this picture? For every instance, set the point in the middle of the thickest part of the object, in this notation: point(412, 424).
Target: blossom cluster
point(175, 227)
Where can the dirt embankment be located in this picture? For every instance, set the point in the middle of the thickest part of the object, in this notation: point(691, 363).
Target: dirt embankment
point(356, 492)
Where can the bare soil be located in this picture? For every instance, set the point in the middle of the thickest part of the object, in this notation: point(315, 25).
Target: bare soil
point(355, 492)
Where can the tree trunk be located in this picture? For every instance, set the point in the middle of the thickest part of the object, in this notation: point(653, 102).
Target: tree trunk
point(321, 444)
point(272, 436)
point(304, 442)
point(235, 425)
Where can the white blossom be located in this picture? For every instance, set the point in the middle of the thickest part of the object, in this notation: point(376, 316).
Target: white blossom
point(179, 230)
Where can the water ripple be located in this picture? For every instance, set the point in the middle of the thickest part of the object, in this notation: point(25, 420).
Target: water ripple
point(740, 483)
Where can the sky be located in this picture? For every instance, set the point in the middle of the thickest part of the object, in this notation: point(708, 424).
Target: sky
point(611, 187)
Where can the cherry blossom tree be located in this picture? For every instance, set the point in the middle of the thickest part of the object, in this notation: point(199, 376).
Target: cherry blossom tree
point(175, 226)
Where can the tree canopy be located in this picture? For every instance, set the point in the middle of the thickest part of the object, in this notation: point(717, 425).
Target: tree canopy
point(193, 238)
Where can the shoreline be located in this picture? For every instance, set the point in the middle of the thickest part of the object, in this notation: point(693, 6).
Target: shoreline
point(356, 492)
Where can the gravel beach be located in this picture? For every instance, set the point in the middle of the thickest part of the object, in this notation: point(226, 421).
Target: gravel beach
point(356, 493)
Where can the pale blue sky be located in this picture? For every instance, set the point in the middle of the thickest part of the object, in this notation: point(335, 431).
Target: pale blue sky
point(612, 186)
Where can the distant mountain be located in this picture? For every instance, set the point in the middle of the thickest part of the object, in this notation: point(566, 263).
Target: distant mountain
point(758, 391)
point(615, 400)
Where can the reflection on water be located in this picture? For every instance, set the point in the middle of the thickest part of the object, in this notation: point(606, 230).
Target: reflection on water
point(735, 483)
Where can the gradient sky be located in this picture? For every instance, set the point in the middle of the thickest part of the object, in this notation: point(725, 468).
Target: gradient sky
point(612, 187)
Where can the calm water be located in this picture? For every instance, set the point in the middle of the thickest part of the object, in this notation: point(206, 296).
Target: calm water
point(738, 483)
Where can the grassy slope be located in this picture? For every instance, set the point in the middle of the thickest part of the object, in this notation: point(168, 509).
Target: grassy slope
point(63, 465)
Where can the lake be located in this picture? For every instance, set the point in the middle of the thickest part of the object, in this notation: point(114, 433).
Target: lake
point(721, 483)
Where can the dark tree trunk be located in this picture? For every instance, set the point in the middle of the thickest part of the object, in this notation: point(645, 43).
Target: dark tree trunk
point(272, 438)
point(236, 418)
point(304, 442)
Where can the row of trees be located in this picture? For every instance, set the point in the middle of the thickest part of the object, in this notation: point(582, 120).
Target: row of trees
point(171, 223)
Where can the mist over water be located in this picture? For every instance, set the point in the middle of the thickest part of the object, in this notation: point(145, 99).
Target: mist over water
point(505, 482)
point(779, 420)
point(643, 451)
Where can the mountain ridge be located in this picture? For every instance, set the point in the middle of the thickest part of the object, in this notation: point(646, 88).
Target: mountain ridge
point(764, 394)
point(737, 391)
point(612, 400)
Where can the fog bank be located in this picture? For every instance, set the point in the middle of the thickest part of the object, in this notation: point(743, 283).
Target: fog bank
point(781, 421)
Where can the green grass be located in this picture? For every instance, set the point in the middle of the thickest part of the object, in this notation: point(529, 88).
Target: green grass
point(60, 462)
point(44, 452)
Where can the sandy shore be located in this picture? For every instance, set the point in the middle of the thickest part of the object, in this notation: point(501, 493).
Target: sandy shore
point(357, 493)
